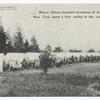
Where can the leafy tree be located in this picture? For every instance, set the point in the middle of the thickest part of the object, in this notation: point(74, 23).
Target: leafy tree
point(10, 47)
point(58, 49)
point(18, 41)
point(34, 47)
point(46, 59)
point(9, 42)
point(48, 49)
point(3, 39)
point(26, 46)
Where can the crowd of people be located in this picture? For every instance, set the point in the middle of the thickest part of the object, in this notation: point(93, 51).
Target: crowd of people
point(74, 59)
point(56, 61)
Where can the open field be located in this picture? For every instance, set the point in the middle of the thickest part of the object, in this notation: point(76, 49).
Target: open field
point(69, 80)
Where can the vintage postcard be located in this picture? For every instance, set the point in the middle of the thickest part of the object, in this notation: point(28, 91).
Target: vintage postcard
point(49, 50)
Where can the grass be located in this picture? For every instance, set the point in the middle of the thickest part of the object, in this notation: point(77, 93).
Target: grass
point(72, 80)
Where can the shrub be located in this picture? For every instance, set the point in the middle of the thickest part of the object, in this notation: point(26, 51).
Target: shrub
point(46, 61)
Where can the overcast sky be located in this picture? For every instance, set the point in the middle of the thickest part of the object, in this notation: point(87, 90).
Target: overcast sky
point(67, 33)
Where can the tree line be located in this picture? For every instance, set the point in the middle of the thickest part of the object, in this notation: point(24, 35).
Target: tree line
point(17, 43)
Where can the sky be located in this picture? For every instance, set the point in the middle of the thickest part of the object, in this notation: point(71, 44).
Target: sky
point(69, 33)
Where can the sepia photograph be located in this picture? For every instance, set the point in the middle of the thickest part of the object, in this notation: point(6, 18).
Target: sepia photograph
point(49, 50)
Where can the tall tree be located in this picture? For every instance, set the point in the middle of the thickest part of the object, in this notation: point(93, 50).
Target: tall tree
point(18, 41)
point(46, 60)
point(3, 39)
point(34, 45)
point(26, 46)
point(48, 49)
point(9, 42)
point(10, 47)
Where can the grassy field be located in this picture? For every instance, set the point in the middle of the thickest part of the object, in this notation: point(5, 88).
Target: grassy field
point(69, 80)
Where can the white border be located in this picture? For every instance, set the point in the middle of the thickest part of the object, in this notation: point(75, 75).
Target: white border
point(50, 1)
